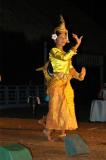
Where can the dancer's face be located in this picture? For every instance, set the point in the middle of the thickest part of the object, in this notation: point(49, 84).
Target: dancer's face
point(61, 39)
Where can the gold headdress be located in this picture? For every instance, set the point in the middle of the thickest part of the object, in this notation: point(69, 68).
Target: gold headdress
point(61, 28)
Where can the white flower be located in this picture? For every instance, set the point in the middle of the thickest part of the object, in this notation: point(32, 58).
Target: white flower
point(54, 36)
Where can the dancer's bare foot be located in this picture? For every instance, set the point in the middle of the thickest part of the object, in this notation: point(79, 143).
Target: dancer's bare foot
point(42, 121)
point(63, 134)
point(47, 134)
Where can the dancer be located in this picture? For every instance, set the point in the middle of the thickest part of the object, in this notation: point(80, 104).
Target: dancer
point(61, 115)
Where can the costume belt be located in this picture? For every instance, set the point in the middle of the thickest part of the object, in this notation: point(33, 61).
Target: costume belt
point(61, 75)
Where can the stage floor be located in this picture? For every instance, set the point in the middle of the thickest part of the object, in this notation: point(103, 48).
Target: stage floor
point(29, 133)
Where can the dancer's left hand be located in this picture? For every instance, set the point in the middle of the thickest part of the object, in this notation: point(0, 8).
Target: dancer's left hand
point(82, 73)
point(78, 40)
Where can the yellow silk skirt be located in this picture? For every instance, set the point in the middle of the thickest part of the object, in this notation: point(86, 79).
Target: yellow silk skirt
point(61, 115)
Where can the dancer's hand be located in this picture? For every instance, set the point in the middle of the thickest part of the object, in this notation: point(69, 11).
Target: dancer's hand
point(82, 73)
point(78, 40)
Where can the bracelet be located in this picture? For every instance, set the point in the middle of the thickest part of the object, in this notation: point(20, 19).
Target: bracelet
point(73, 49)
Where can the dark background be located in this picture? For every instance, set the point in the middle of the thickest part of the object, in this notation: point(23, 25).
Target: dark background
point(25, 27)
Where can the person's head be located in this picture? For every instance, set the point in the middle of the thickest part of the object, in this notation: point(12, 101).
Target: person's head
point(61, 39)
point(60, 33)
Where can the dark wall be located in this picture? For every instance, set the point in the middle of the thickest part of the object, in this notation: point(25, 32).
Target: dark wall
point(19, 58)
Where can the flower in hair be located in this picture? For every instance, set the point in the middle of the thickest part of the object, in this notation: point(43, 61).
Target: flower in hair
point(54, 36)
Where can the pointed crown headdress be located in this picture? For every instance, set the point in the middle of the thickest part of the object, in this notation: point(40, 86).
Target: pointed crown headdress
point(61, 27)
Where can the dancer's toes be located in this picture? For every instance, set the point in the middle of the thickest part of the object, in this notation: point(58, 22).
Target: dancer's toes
point(47, 134)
